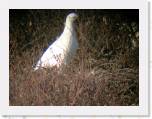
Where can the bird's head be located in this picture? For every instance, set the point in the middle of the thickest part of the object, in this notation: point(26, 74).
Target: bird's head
point(71, 18)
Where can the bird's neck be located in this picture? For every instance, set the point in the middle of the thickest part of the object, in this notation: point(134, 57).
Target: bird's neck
point(69, 26)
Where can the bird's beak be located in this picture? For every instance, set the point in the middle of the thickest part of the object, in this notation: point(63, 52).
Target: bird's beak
point(77, 20)
point(76, 17)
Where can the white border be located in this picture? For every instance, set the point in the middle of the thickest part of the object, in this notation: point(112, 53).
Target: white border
point(142, 109)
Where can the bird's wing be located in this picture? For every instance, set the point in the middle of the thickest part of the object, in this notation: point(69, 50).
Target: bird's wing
point(51, 57)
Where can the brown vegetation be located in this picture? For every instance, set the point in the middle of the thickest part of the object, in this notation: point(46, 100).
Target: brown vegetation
point(104, 71)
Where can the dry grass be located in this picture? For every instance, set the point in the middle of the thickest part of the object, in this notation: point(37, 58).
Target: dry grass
point(104, 71)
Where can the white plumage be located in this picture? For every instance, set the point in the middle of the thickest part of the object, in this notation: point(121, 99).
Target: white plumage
point(63, 49)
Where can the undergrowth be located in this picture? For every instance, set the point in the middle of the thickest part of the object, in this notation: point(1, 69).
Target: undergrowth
point(104, 72)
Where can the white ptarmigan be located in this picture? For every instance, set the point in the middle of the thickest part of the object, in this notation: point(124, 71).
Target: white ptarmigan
point(63, 49)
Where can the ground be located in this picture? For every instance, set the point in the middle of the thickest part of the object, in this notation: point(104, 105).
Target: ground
point(105, 70)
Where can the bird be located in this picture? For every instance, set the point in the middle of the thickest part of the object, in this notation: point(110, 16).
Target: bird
point(62, 50)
